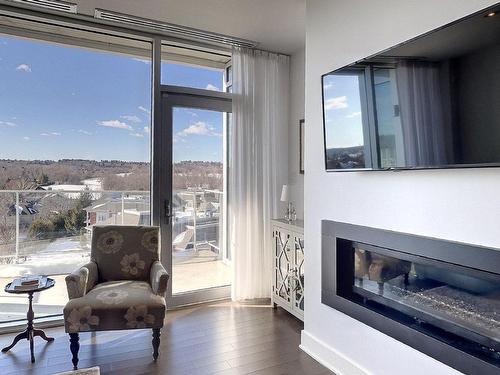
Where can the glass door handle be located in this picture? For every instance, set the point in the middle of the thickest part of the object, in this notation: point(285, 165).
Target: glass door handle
point(168, 210)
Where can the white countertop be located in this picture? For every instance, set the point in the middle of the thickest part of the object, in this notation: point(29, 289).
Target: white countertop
point(295, 223)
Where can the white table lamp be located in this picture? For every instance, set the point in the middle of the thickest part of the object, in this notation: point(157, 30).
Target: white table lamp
point(285, 197)
point(284, 194)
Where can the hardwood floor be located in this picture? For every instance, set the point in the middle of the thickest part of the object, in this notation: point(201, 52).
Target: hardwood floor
point(223, 339)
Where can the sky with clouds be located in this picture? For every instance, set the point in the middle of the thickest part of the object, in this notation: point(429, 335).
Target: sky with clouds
point(342, 108)
point(61, 102)
point(202, 139)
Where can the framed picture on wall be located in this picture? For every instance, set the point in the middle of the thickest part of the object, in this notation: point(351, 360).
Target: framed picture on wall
point(301, 146)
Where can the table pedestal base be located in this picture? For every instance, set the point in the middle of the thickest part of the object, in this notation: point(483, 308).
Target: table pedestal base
point(29, 333)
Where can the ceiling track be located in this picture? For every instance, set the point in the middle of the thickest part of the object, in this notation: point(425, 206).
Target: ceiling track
point(60, 6)
point(171, 29)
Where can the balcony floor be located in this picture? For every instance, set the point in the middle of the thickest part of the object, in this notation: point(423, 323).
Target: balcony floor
point(202, 275)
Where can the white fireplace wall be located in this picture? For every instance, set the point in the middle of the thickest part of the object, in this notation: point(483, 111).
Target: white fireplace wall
point(459, 205)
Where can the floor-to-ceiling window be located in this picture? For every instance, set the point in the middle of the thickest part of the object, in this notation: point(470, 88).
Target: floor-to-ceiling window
point(74, 152)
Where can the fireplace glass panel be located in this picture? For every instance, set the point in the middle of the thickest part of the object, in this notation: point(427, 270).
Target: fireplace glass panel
point(443, 299)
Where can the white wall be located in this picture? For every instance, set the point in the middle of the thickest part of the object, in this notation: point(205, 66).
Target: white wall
point(297, 110)
point(460, 205)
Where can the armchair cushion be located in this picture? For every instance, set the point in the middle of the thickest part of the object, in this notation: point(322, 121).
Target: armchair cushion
point(159, 279)
point(115, 305)
point(124, 252)
point(82, 280)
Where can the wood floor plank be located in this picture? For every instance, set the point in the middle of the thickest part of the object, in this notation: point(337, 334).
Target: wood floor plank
point(223, 339)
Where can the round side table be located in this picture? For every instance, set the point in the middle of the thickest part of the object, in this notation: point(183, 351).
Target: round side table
point(30, 332)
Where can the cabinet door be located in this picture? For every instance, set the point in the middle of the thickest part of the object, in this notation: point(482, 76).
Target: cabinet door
point(298, 270)
point(282, 264)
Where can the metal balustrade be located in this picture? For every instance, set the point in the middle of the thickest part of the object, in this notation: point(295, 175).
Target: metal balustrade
point(19, 209)
point(59, 253)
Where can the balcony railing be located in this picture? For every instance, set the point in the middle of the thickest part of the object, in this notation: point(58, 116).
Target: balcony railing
point(204, 211)
point(48, 232)
point(32, 221)
point(48, 222)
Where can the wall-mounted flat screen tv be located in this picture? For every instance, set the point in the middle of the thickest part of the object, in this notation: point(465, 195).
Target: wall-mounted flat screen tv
point(431, 102)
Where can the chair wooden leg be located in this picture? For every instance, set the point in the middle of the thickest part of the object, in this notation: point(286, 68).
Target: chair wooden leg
point(74, 347)
point(156, 342)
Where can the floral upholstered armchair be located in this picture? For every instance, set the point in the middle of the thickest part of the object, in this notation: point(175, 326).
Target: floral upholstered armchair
point(122, 287)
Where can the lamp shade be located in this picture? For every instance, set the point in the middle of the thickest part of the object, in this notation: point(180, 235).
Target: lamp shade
point(284, 194)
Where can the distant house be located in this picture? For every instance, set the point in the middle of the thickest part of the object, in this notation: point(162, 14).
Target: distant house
point(93, 183)
point(188, 199)
point(206, 203)
point(113, 209)
point(74, 191)
point(208, 208)
point(26, 210)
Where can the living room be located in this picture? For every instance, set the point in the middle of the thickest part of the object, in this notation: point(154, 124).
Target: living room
point(251, 187)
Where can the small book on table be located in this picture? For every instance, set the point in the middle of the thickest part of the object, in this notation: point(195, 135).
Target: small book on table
point(28, 283)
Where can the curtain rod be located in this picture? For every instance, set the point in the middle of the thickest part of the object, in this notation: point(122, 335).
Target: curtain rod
point(267, 51)
point(169, 28)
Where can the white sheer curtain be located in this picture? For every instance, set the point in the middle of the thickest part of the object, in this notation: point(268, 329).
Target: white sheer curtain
point(258, 164)
point(422, 113)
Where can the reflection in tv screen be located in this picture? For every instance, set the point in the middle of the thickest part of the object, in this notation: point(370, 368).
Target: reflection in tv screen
point(433, 102)
point(346, 158)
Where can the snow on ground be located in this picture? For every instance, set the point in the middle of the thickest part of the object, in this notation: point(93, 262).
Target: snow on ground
point(46, 264)
point(61, 256)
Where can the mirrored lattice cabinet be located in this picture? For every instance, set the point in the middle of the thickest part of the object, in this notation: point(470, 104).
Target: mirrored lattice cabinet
point(288, 266)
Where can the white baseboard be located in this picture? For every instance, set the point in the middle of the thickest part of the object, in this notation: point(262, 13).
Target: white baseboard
point(329, 357)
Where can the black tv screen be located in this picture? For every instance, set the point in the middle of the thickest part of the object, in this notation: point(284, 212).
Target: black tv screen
point(431, 102)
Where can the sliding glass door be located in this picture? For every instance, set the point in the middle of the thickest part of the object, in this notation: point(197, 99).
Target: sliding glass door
point(194, 194)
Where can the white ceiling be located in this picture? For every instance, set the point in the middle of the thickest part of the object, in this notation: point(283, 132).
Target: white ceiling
point(277, 25)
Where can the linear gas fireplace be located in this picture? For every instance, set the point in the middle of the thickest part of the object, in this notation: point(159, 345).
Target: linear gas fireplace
point(440, 297)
